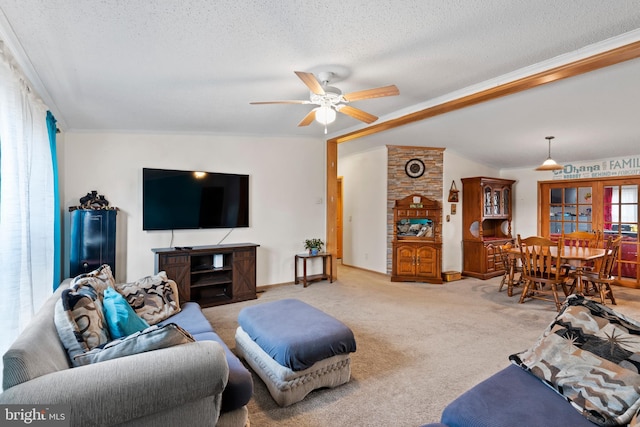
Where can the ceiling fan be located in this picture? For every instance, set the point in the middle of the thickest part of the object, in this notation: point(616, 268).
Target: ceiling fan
point(330, 99)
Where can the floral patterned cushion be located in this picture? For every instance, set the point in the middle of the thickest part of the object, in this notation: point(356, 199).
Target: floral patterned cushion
point(590, 355)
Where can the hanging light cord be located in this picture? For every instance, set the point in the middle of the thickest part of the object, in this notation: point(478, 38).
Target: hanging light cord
point(549, 138)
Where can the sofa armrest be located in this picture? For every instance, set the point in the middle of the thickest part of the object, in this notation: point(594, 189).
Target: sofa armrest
point(130, 387)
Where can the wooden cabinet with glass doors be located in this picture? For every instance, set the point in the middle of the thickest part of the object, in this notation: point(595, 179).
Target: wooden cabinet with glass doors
point(417, 240)
point(486, 222)
point(608, 204)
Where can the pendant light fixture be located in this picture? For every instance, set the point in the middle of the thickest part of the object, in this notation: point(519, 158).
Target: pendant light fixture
point(549, 164)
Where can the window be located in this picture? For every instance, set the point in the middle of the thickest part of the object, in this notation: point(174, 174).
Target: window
point(570, 210)
point(620, 217)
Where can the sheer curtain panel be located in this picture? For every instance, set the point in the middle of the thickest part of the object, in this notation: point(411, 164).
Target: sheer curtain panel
point(26, 202)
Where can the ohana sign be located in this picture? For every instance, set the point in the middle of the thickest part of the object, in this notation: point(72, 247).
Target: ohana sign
point(624, 166)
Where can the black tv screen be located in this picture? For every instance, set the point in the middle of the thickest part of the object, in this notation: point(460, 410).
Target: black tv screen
point(174, 199)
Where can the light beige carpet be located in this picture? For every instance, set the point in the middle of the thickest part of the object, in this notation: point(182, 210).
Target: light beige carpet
point(419, 345)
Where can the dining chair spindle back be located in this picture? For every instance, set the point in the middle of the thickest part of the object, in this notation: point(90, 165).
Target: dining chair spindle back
point(510, 265)
point(602, 279)
point(540, 270)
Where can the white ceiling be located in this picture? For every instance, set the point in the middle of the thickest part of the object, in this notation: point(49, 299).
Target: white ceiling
point(194, 66)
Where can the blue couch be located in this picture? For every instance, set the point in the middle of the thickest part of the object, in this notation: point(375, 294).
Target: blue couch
point(239, 387)
point(583, 371)
point(511, 397)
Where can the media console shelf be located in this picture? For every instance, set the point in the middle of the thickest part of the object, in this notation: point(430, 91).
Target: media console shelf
point(211, 275)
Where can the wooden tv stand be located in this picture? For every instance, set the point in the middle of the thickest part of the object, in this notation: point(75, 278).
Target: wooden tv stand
point(211, 275)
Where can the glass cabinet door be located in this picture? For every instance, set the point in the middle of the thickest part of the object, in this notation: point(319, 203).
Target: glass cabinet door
point(488, 210)
point(506, 197)
point(496, 202)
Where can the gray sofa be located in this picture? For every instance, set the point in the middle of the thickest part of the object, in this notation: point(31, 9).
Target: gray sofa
point(197, 384)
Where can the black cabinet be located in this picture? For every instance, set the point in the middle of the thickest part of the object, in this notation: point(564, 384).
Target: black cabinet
point(93, 240)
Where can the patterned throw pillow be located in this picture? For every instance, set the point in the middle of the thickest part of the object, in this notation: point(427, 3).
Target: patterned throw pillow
point(79, 320)
point(152, 338)
point(154, 298)
point(120, 317)
point(100, 279)
point(590, 355)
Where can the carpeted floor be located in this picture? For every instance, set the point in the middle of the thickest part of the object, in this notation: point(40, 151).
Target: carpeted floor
point(419, 345)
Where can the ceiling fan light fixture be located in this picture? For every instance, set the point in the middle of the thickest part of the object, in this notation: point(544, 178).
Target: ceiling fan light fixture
point(325, 115)
point(330, 100)
point(549, 164)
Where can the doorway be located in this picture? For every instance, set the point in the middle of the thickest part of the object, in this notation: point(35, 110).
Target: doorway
point(339, 219)
point(607, 204)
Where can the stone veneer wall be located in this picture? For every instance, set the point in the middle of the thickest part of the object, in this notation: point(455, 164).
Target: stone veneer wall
point(400, 185)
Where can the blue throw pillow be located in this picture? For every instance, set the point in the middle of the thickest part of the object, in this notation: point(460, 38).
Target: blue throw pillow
point(121, 319)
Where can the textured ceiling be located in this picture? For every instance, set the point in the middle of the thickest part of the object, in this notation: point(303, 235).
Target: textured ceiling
point(194, 66)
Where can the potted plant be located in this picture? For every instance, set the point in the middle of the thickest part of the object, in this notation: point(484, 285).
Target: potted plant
point(313, 245)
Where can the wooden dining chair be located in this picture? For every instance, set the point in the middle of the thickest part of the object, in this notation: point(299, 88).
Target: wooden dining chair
point(581, 239)
point(602, 278)
point(542, 276)
point(511, 267)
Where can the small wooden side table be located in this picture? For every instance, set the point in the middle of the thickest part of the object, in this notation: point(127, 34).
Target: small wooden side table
point(324, 276)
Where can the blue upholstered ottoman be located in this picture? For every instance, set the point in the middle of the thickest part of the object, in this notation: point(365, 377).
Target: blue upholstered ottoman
point(294, 348)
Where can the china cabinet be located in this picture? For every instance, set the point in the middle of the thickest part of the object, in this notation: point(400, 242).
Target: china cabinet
point(417, 242)
point(486, 221)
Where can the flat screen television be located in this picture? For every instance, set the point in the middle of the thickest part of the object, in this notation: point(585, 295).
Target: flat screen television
point(176, 199)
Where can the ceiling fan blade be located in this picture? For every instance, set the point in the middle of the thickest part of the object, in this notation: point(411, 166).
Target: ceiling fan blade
point(280, 102)
point(308, 119)
point(357, 113)
point(390, 90)
point(312, 83)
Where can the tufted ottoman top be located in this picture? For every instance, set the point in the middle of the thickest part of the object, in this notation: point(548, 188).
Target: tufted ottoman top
point(295, 334)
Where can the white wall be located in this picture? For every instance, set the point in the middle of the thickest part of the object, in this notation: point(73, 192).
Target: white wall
point(365, 207)
point(287, 192)
point(525, 199)
point(455, 168)
point(287, 187)
point(364, 195)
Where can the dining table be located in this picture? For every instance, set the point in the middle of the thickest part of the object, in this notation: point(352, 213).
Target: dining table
point(576, 257)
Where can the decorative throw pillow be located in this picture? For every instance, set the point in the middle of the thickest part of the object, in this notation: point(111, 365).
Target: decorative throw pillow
point(80, 321)
point(121, 319)
point(100, 279)
point(152, 338)
point(154, 298)
point(590, 355)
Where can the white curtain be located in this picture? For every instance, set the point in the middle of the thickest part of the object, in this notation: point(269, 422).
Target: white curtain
point(26, 202)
